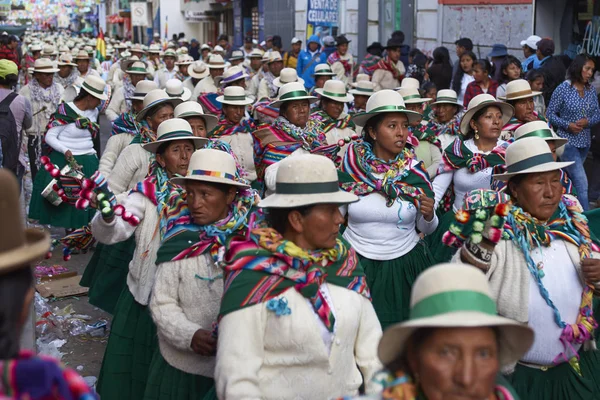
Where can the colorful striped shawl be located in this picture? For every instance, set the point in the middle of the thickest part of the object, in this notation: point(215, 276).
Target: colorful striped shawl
point(457, 156)
point(424, 132)
point(515, 124)
point(451, 127)
point(335, 57)
point(328, 123)
point(65, 115)
point(209, 102)
point(225, 128)
point(369, 64)
point(387, 65)
point(126, 123)
point(145, 135)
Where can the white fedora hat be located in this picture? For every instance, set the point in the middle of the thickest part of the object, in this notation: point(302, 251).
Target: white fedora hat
point(335, 90)
point(81, 55)
point(190, 109)
point(125, 63)
point(539, 129)
point(154, 98)
point(236, 55)
point(412, 96)
point(455, 296)
point(287, 75)
point(218, 49)
point(35, 47)
point(211, 165)
point(142, 89)
point(385, 101)
point(185, 59)
point(447, 96)
point(527, 156)
point(361, 78)
point(137, 68)
point(154, 48)
point(174, 88)
point(410, 83)
point(255, 53)
point(44, 66)
point(235, 96)
point(170, 53)
point(482, 101)
point(274, 56)
point(198, 70)
point(216, 62)
point(233, 74)
point(137, 48)
point(293, 91)
point(305, 180)
point(323, 70)
point(49, 50)
point(518, 89)
point(95, 86)
point(362, 88)
point(171, 130)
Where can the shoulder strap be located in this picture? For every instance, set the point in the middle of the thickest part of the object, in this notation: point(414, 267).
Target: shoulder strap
point(312, 61)
point(5, 104)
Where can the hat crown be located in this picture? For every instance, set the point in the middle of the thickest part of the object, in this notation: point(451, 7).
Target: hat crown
point(292, 87)
point(288, 75)
point(306, 168)
point(169, 53)
point(174, 87)
point(526, 148)
point(232, 72)
point(188, 107)
point(410, 83)
point(384, 98)
point(212, 160)
point(479, 99)
point(154, 96)
point(137, 65)
point(447, 93)
point(94, 83)
point(531, 127)
point(234, 91)
point(275, 56)
point(334, 86)
point(365, 84)
point(518, 87)
point(237, 54)
point(43, 63)
point(172, 126)
point(409, 91)
point(216, 60)
point(199, 67)
point(320, 68)
point(12, 235)
point(145, 86)
point(82, 54)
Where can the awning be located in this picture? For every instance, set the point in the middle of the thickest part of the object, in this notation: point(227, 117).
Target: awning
point(115, 19)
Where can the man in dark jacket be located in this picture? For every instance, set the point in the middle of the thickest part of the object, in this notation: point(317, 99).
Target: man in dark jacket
point(551, 66)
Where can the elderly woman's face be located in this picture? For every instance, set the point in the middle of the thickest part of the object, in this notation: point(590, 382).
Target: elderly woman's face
point(164, 113)
point(538, 193)
point(176, 157)
point(332, 108)
point(233, 113)
point(297, 112)
point(318, 228)
point(489, 124)
point(198, 126)
point(208, 203)
point(524, 109)
point(456, 364)
point(445, 112)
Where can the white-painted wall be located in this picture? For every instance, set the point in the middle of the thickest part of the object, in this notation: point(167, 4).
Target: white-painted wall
point(177, 22)
point(426, 25)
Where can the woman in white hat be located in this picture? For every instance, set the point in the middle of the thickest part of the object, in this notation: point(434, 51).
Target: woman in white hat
point(132, 338)
point(361, 91)
point(444, 117)
point(545, 251)
point(322, 74)
point(310, 315)
point(119, 103)
point(266, 88)
point(175, 88)
point(189, 284)
point(193, 113)
point(468, 163)
point(70, 138)
point(521, 97)
point(234, 76)
point(259, 73)
point(396, 200)
point(67, 73)
point(454, 345)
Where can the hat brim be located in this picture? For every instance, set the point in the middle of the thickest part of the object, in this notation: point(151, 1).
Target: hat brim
point(277, 82)
point(362, 118)
point(417, 100)
point(174, 101)
point(278, 103)
point(299, 200)
point(45, 71)
point(507, 113)
point(327, 74)
point(533, 94)
point(514, 338)
point(198, 76)
point(152, 147)
point(37, 244)
point(216, 66)
point(203, 178)
point(346, 99)
point(523, 43)
point(355, 92)
point(460, 106)
point(219, 80)
point(245, 102)
point(546, 167)
point(210, 121)
point(558, 141)
point(102, 96)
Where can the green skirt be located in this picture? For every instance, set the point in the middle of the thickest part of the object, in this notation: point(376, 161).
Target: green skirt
point(391, 282)
point(439, 251)
point(166, 382)
point(131, 344)
point(63, 215)
point(106, 273)
point(561, 382)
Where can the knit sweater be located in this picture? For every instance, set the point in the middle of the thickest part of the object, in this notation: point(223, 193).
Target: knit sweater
point(131, 167)
point(186, 297)
point(69, 137)
point(206, 85)
point(115, 145)
point(118, 105)
point(284, 357)
point(242, 145)
point(142, 267)
point(431, 155)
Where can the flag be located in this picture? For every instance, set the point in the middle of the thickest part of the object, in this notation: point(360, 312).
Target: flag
point(166, 32)
point(100, 47)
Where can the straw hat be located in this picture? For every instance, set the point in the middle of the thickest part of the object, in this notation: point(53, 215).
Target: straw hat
point(455, 296)
point(171, 130)
point(482, 101)
point(255, 53)
point(218, 49)
point(170, 53)
point(447, 96)
point(137, 48)
point(274, 56)
point(361, 78)
point(137, 68)
point(191, 109)
point(44, 66)
point(216, 61)
point(35, 47)
point(305, 180)
point(154, 48)
point(205, 47)
point(292, 91)
point(363, 88)
point(125, 63)
point(527, 156)
point(154, 98)
point(518, 89)
point(265, 57)
point(95, 86)
point(233, 74)
point(323, 70)
point(184, 59)
point(118, 46)
point(211, 165)
point(287, 75)
point(412, 96)
point(385, 101)
point(82, 55)
point(174, 88)
point(49, 50)
point(335, 90)
point(142, 89)
point(410, 83)
point(236, 55)
point(539, 129)
point(235, 95)
point(66, 59)
point(198, 70)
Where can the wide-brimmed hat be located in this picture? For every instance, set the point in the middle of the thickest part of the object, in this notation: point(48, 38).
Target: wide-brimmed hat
point(198, 70)
point(95, 86)
point(211, 165)
point(205, 47)
point(174, 88)
point(305, 180)
point(482, 101)
point(410, 83)
point(137, 48)
point(274, 56)
point(455, 296)
point(292, 91)
point(18, 247)
point(385, 101)
point(35, 47)
point(341, 39)
point(539, 129)
point(393, 44)
point(184, 59)
point(218, 49)
point(170, 53)
point(142, 89)
point(236, 55)
point(49, 50)
point(154, 98)
point(154, 48)
point(125, 63)
point(363, 88)
point(65, 59)
point(335, 90)
point(137, 68)
point(518, 89)
point(171, 130)
point(527, 156)
point(255, 53)
point(531, 42)
point(233, 74)
point(190, 109)
point(412, 96)
point(287, 75)
point(44, 66)
point(360, 78)
point(323, 70)
point(498, 50)
point(216, 61)
point(82, 55)
point(375, 45)
point(447, 96)
point(235, 95)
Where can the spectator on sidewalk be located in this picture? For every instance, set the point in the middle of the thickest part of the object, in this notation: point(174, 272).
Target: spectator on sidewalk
point(497, 57)
point(529, 52)
point(290, 58)
point(8, 49)
point(309, 59)
point(440, 72)
point(483, 83)
point(463, 45)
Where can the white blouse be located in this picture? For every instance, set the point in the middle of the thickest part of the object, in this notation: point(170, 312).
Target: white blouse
point(69, 137)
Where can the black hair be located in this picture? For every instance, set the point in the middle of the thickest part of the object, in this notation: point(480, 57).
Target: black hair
point(441, 56)
point(82, 95)
point(508, 60)
point(151, 112)
point(485, 65)
point(13, 288)
point(164, 146)
point(576, 67)
point(277, 42)
point(413, 52)
point(426, 87)
point(466, 43)
point(471, 132)
point(9, 81)
point(373, 123)
point(534, 74)
point(398, 35)
point(277, 218)
point(459, 73)
point(514, 181)
point(420, 60)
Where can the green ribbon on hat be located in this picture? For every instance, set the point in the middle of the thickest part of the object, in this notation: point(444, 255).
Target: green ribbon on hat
point(453, 301)
point(91, 89)
point(541, 133)
point(175, 134)
point(137, 69)
point(440, 99)
point(364, 90)
point(527, 163)
point(326, 93)
point(307, 188)
point(387, 108)
point(412, 96)
point(234, 98)
point(294, 94)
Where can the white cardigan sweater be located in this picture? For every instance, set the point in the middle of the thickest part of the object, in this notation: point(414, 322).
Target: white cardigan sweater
point(181, 304)
point(242, 145)
point(131, 167)
point(115, 145)
point(262, 356)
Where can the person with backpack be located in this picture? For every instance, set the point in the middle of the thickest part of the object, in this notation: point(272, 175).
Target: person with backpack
point(309, 59)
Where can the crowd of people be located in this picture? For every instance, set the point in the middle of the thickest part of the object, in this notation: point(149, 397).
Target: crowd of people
point(301, 225)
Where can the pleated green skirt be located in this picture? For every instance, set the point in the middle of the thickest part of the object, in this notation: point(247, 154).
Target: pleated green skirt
point(131, 344)
point(391, 282)
point(63, 215)
point(166, 382)
point(561, 382)
point(439, 251)
point(106, 273)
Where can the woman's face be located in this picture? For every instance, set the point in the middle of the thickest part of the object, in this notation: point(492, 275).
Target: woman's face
point(394, 54)
point(184, 69)
point(297, 112)
point(342, 49)
point(137, 105)
point(445, 112)
point(64, 70)
point(466, 64)
point(537, 84)
point(319, 228)
point(198, 126)
point(320, 81)
point(332, 108)
point(479, 74)
point(136, 78)
point(457, 363)
point(512, 72)
point(360, 101)
point(164, 113)
point(207, 203)
point(233, 114)
point(489, 124)
point(552, 146)
point(391, 136)
point(176, 157)
point(416, 107)
point(524, 109)
point(587, 71)
point(538, 193)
